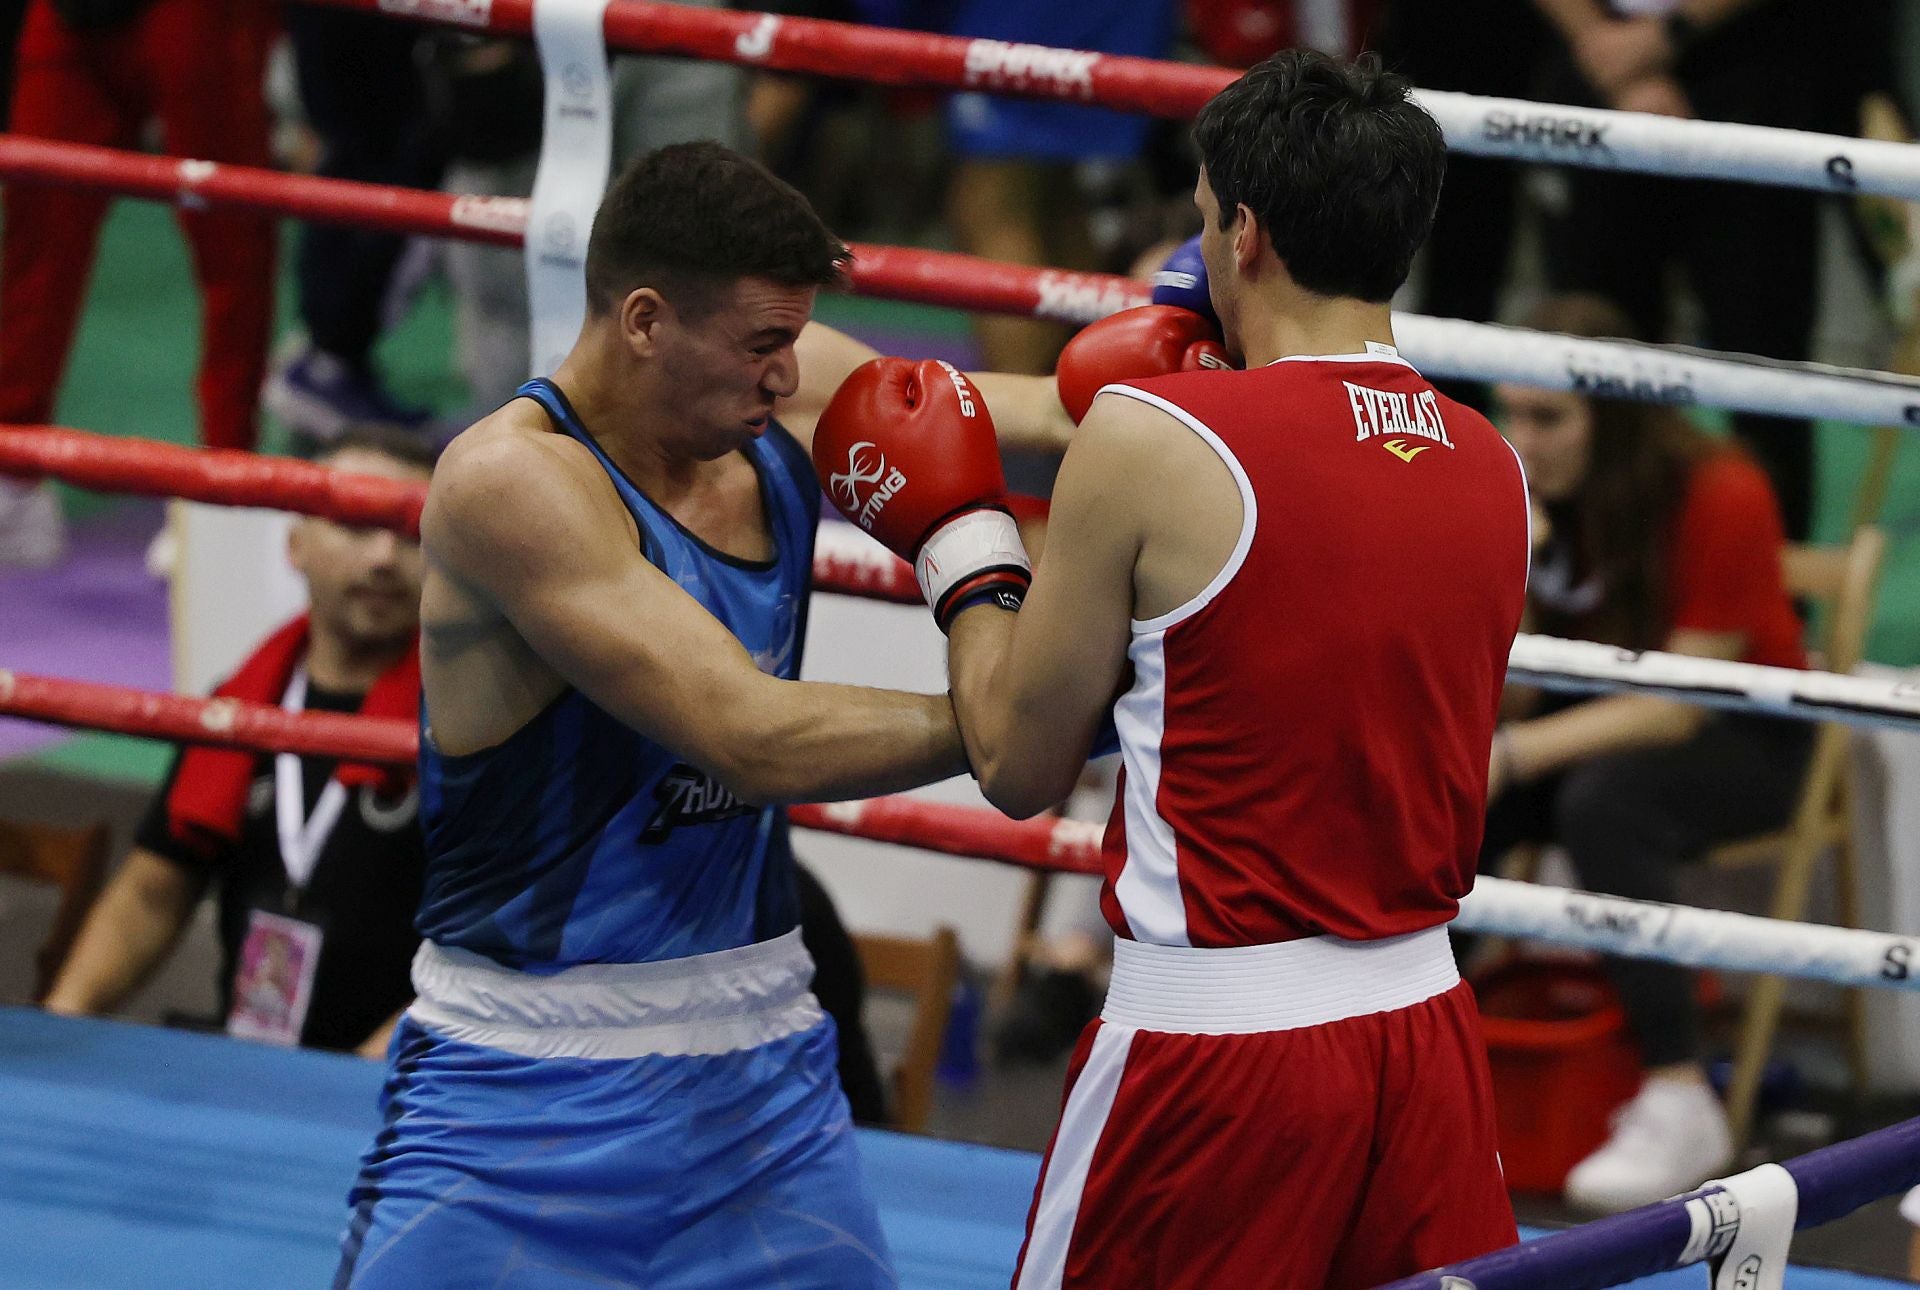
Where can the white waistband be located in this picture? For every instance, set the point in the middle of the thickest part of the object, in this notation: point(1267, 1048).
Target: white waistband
point(1245, 989)
point(698, 1006)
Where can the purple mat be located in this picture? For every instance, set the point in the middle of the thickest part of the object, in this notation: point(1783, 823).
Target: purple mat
point(98, 616)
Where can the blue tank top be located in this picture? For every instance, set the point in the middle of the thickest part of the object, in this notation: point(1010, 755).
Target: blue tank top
point(577, 840)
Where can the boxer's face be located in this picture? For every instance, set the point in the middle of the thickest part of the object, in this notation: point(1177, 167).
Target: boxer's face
point(1553, 433)
point(363, 584)
point(724, 365)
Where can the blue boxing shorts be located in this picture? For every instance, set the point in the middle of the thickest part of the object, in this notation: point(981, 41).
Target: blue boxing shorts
point(992, 126)
point(674, 1125)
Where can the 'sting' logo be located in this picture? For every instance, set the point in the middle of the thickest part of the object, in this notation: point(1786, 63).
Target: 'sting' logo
point(961, 389)
point(866, 464)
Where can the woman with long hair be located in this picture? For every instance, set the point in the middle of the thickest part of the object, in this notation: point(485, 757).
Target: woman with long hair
point(1648, 534)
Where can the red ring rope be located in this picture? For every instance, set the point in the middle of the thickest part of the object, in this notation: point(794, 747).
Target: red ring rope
point(887, 272)
point(224, 723)
point(876, 55)
point(223, 476)
point(226, 477)
point(1064, 846)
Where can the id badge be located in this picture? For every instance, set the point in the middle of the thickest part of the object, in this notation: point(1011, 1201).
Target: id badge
point(274, 982)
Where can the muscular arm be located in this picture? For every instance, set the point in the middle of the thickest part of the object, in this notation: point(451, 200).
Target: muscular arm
point(130, 930)
point(531, 528)
point(1030, 688)
point(1616, 723)
point(1026, 409)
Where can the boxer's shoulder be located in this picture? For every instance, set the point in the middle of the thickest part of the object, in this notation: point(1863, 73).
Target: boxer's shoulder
point(513, 476)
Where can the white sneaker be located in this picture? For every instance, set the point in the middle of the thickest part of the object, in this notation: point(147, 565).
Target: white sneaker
point(33, 532)
point(1670, 1138)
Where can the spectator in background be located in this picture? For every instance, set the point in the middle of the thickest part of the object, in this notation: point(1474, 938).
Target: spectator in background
point(1748, 251)
point(362, 91)
point(1647, 535)
point(1488, 47)
point(1013, 194)
point(487, 105)
point(96, 71)
point(1240, 33)
point(318, 865)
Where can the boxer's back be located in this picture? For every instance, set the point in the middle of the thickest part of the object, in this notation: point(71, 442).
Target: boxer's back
point(1305, 742)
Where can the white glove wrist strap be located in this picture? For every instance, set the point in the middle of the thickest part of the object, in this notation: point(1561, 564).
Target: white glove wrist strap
point(966, 545)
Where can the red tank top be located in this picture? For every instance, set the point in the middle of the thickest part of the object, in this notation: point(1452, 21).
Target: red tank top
point(1305, 742)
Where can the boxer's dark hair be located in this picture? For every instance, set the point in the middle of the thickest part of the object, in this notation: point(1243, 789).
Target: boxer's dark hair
point(408, 447)
point(1339, 166)
point(690, 218)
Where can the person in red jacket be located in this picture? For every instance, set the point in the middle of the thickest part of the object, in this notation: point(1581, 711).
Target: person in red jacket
point(96, 72)
point(1648, 535)
point(1302, 581)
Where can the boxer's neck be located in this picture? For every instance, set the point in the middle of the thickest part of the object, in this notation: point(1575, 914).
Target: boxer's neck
point(634, 426)
point(1287, 321)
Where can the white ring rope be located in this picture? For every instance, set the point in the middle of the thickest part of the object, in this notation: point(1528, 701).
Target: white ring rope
point(1656, 373)
point(1515, 129)
point(1703, 938)
point(1600, 139)
point(1587, 667)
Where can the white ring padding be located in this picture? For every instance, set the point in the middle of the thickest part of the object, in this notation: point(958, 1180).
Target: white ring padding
point(576, 151)
point(1744, 1228)
point(1655, 373)
point(1597, 139)
point(1587, 667)
point(1706, 938)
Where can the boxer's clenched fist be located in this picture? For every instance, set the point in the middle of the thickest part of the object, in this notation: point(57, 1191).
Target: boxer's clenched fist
point(1153, 340)
point(907, 451)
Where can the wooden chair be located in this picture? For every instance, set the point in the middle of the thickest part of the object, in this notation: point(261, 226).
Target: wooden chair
point(927, 970)
point(75, 861)
point(1026, 941)
point(1842, 581)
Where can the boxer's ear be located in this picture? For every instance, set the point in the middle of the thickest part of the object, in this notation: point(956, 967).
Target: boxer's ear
point(1246, 236)
point(641, 314)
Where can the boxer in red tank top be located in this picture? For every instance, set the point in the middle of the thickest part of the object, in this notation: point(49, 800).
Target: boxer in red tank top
point(1302, 579)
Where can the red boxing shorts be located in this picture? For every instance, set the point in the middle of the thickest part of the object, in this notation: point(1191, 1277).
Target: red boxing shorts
point(1312, 1113)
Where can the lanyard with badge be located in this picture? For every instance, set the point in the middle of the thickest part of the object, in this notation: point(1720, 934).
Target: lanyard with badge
point(273, 981)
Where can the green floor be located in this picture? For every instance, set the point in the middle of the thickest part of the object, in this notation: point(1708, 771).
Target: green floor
point(132, 374)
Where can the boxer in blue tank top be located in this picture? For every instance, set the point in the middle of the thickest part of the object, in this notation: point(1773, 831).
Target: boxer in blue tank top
point(614, 1073)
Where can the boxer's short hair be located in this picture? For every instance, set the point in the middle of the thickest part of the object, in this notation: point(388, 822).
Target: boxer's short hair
point(1341, 168)
point(691, 218)
point(408, 447)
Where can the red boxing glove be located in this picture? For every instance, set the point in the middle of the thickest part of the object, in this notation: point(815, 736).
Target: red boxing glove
point(908, 453)
point(1152, 340)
